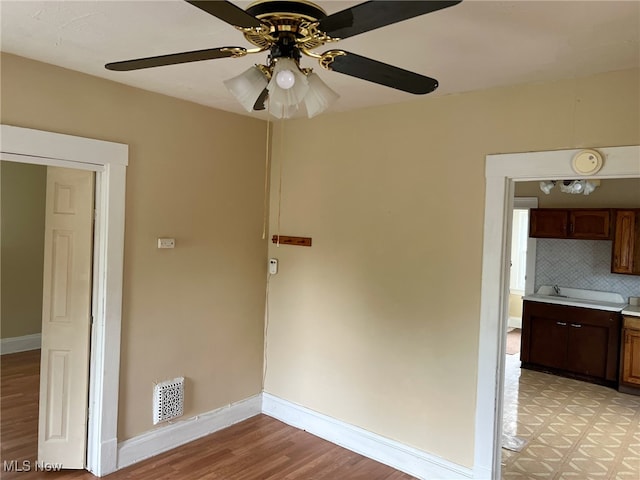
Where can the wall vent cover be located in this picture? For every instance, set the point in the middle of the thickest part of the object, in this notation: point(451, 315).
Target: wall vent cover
point(168, 400)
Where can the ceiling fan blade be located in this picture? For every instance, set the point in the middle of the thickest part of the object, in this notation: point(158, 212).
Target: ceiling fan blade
point(228, 12)
point(174, 58)
point(375, 14)
point(260, 102)
point(378, 72)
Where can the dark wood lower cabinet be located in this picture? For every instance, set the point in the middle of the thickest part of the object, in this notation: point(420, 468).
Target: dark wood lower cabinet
point(571, 341)
point(547, 339)
point(587, 350)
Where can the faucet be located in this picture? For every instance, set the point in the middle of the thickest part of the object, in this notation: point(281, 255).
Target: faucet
point(556, 289)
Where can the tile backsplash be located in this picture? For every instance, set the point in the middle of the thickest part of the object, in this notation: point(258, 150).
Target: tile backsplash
point(581, 264)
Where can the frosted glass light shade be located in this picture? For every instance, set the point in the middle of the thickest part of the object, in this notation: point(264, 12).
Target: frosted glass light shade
point(247, 87)
point(319, 97)
point(291, 96)
point(285, 98)
point(279, 110)
point(572, 186)
point(590, 186)
point(546, 186)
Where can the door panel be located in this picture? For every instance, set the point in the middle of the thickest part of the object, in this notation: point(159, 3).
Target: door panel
point(588, 348)
point(592, 224)
point(66, 322)
point(631, 357)
point(548, 342)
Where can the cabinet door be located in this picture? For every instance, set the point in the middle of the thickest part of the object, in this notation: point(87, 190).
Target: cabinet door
point(548, 223)
point(624, 243)
point(631, 357)
point(548, 342)
point(590, 224)
point(587, 350)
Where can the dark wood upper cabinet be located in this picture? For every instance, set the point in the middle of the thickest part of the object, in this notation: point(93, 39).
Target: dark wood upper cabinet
point(548, 223)
point(590, 224)
point(585, 224)
point(626, 242)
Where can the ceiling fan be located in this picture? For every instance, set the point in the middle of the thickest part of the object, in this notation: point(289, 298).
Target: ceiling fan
point(289, 29)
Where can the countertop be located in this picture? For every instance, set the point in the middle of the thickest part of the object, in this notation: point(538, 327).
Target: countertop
point(574, 297)
point(633, 310)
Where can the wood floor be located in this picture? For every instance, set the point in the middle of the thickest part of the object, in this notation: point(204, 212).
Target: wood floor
point(259, 448)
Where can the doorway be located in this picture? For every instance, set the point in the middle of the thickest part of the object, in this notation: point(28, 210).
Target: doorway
point(47, 230)
point(108, 160)
point(501, 173)
point(536, 422)
point(522, 259)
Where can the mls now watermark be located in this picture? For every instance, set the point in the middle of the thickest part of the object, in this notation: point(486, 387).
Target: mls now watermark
point(29, 466)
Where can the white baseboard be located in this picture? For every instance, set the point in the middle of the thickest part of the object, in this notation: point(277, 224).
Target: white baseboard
point(397, 455)
point(175, 434)
point(390, 452)
point(20, 344)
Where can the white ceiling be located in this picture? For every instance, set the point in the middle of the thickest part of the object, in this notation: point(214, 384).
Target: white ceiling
point(475, 45)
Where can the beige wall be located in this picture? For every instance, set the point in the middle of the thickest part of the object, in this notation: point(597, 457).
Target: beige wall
point(620, 192)
point(22, 207)
point(195, 174)
point(515, 305)
point(377, 323)
point(368, 325)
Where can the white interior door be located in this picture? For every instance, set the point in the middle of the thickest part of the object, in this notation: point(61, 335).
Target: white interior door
point(66, 322)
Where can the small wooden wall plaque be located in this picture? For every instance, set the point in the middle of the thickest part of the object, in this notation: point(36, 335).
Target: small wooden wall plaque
point(299, 241)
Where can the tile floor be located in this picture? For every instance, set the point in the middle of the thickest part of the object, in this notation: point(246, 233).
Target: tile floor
point(573, 429)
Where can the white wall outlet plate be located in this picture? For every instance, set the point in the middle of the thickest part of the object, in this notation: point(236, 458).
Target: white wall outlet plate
point(166, 243)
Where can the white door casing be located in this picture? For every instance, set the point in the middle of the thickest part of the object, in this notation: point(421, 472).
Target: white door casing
point(66, 312)
point(109, 160)
point(501, 171)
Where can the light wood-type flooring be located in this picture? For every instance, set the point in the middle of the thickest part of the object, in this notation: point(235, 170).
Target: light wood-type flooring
point(259, 448)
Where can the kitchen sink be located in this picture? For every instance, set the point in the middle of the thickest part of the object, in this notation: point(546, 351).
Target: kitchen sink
point(579, 298)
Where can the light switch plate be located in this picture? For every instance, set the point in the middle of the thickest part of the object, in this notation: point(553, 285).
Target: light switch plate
point(166, 243)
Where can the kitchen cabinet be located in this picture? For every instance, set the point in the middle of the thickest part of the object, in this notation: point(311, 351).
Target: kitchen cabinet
point(548, 223)
point(630, 355)
point(572, 341)
point(626, 242)
point(585, 224)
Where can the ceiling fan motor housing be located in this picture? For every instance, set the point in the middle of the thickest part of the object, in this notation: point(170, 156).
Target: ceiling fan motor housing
point(303, 9)
point(291, 27)
point(286, 46)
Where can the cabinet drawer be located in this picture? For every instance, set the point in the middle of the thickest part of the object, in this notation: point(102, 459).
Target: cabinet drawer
point(631, 322)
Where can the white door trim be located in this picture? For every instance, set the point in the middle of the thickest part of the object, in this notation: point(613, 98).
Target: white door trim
point(528, 203)
point(109, 161)
point(500, 172)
